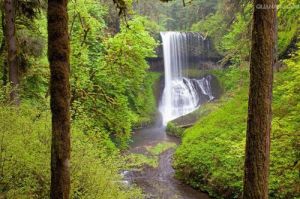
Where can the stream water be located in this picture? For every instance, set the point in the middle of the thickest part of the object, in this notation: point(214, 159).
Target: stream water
point(159, 183)
point(181, 96)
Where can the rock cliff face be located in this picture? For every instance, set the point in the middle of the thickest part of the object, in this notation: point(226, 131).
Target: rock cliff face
point(200, 50)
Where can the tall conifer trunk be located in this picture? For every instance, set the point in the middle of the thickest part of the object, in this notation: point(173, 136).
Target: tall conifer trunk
point(3, 49)
point(263, 57)
point(58, 55)
point(12, 62)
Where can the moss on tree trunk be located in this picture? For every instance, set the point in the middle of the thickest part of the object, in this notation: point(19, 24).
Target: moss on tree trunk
point(58, 55)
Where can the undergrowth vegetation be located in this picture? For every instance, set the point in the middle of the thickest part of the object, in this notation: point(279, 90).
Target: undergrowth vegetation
point(220, 138)
point(25, 141)
point(229, 26)
point(111, 93)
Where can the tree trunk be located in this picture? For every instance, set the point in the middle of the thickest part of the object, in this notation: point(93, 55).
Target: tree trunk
point(58, 55)
point(12, 62)
point(263, 58)
point(3, 50)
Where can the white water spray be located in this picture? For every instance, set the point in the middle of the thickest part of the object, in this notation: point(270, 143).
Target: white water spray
point(181, 94)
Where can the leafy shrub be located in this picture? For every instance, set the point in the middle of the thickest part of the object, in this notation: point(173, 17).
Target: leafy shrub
point(173, 129)
point(231, 32)
point(144, 104)
point(110, 84)
point(231, 78)
point(25, 142)
point(211, 156)
point(285, 149)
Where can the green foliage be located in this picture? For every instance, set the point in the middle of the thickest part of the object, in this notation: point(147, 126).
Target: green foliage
point(137, 160)
point(285, 154)
point(110, 83)
point(149, 156)
point(231, 32)
point(174, 15)
point(109, 79)
point(128, 72)
point(112, 92)
point(161, 147)
point(173, 129)
point(238, 52)
point(145, 102)
point(211, 26)
point(34, 84)
point(211, 156)
point(25, 159)
point(25, 153)
point(98, 66)
point(288, 20)
point(95, 169)
point(231, 78)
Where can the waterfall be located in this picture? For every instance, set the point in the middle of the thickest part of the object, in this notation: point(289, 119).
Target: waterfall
point(181, 95)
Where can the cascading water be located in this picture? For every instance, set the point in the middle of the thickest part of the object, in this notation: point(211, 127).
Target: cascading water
point(181, 94)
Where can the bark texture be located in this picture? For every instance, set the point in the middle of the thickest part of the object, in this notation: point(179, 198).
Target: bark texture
point(3, 50)
point(58, 55)
point(12, 62)
point(263, 58)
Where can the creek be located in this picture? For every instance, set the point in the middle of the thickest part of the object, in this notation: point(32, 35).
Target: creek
point(182, 95)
